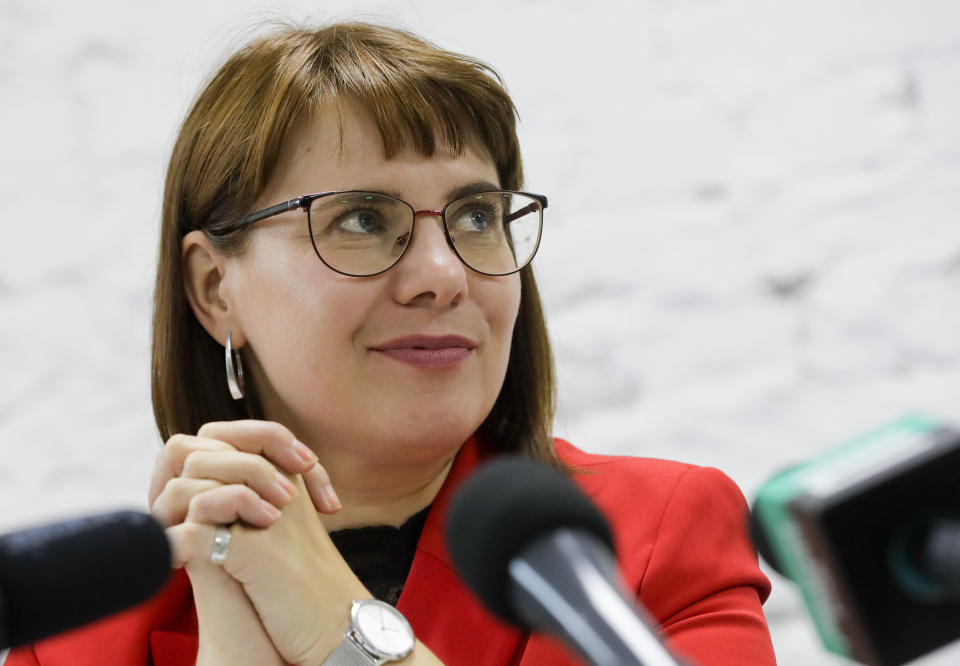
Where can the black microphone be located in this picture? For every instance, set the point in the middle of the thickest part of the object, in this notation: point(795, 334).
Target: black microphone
point(539, 555)
point(61, 576)
point(870, 533)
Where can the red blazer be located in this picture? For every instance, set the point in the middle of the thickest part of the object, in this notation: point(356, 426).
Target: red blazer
point(681, 544)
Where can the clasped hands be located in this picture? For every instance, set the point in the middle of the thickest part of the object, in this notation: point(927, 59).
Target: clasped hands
point(283, 593)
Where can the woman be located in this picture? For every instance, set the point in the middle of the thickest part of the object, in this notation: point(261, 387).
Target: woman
point(346, 317)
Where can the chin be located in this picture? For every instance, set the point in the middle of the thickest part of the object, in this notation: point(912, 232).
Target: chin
point(432, 432)
point(419, 437)
point(404, 426)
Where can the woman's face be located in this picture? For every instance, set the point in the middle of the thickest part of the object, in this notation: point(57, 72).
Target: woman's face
point(342, 360)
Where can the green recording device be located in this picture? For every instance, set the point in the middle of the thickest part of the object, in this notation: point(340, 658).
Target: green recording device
point(870, 533)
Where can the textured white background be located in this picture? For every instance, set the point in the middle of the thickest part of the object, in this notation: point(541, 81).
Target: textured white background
point(752, 250)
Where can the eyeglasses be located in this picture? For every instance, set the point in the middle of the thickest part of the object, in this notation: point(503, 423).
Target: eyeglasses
point(365, 233)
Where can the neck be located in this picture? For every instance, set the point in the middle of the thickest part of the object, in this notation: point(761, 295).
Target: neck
point(380, 494)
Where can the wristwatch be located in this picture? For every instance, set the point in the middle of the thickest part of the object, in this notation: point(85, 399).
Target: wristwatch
point(378, 634)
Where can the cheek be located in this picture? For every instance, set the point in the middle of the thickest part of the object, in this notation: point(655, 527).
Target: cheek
point(316, 327)
point(500, 301)
point(297, 314)
point(306, 353)
point(511, 299)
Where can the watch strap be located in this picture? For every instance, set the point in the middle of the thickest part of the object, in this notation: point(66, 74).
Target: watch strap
point(350, 653)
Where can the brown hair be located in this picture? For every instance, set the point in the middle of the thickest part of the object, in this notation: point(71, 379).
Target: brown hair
point(420, 97)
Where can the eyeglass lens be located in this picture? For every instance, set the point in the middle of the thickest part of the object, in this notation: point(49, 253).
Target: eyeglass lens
point(364, 233)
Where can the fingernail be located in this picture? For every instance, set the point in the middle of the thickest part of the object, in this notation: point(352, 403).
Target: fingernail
point(304, 452)
point(330, 495)
point(286, 486)
point(272, 512)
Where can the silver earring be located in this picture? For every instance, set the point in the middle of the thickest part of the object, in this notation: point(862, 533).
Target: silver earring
point(234, 377)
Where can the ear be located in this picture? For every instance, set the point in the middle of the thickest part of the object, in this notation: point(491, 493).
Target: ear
point(204, 273)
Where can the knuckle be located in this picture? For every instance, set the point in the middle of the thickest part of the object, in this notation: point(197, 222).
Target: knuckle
point(192, 462)
point(161, 513)
point(178, 491)
point(189, 541)
point(242, 495)
point(321, 473)
point(207, 501)
point(198, 503)
point(176, 443)
point(207, 427)
point(262, 470)
point(168, 491)
point(317, 476)
point(194, 534)
point(277, 431)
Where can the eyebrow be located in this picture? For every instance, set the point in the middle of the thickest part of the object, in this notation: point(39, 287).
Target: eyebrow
point(473, 188)
point(462, 191)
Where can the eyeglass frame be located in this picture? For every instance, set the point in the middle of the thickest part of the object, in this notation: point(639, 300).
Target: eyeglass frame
point(304, 202)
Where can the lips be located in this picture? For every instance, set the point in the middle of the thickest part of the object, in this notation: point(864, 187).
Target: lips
point(427, 351)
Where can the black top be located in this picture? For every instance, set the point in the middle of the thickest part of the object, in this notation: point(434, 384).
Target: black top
point(381, 555)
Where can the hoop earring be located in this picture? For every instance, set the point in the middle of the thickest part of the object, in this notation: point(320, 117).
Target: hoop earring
point(234, 377)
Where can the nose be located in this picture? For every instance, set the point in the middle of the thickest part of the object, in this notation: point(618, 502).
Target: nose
point(430, 271)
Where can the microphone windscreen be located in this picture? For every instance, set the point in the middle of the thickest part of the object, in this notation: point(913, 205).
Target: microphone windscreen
point(64, 575)
point(501, 509)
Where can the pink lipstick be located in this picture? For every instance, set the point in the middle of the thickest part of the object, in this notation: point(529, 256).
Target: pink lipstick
point(428, 352)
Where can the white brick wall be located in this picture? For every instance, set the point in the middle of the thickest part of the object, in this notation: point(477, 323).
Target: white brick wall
point(777, 183)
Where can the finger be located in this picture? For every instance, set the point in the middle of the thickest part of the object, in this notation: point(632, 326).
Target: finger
point(228, 504)
point(267, 438)
point(173, 501)
point(321, 490)
point(230, 467)
point(190, 542)
point(170, 459)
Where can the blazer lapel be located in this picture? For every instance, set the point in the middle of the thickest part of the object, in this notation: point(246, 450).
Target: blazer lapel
point(444, 613)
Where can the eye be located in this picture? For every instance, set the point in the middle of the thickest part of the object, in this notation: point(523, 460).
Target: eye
point(360, 221)
point(476, 217)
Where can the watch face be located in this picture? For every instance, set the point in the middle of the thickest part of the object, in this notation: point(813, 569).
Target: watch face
point(382, 629)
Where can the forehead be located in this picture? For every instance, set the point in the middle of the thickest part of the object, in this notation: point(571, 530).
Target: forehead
point(339, 141)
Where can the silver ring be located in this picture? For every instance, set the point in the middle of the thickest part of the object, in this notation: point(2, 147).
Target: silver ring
point(221, 544)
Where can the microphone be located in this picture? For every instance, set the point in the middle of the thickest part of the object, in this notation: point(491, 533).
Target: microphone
point(870, 534)
point(64, 575)
point(539, 555)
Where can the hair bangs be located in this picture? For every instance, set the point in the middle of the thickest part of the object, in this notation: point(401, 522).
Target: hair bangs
point(418, 99)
